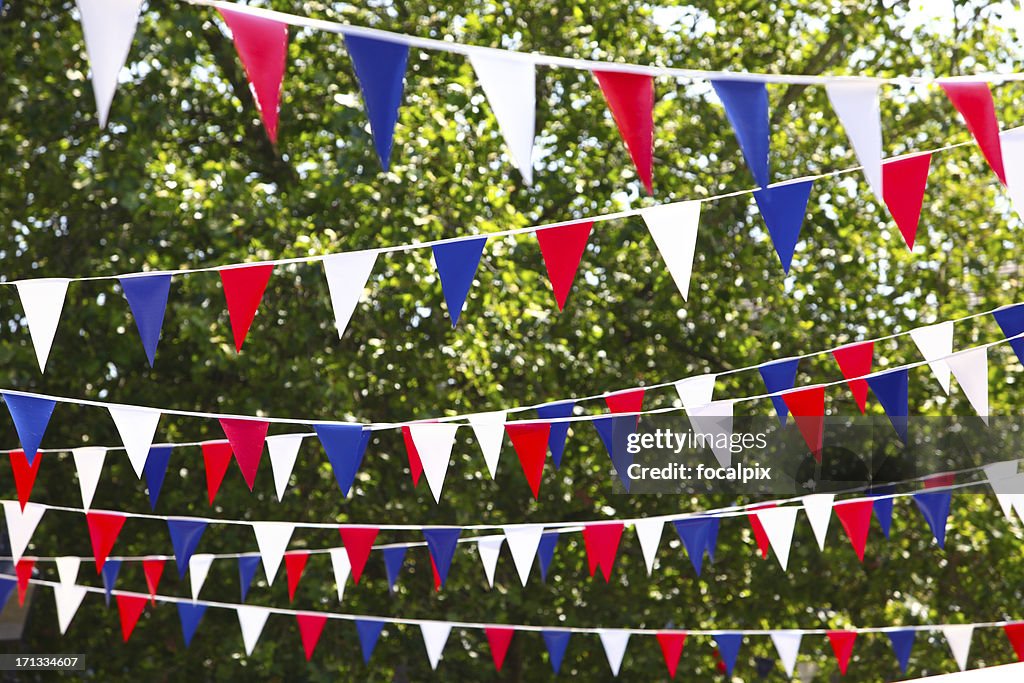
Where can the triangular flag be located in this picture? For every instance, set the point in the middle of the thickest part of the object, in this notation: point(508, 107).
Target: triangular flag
point(89, 464)
point(615, 433)
point(190, 615)
point(559, 429)
point(155, 470)
point(562, 248)
point(216, 459)
point(283, 450)
point(974, 102)
point(435, 635)
point(415, 463)
point(778, 524)
point(347, 274)
point(1015, 633)
point(787, 644)
point(808, 408)
point(883, 505)
point(21, 524)
point(854, 362)
point(904, 182)
point(108, 27)
point(522, 543)
point(818, 508)
point(696, 391)
point(251, 620)
point(42, 300)
point(760, 537)
point(137, 428)
point(1001, 476)
point(1011, 322)
point(489, 429)
point(358, 542)
point(369, 632)
point(262, 46)
point(198, 569)
point(311, 626)
point(342, 567)
point(456, 264)
point(614, 643)
point(902, 643)
point(489, 549)
point(246, 438)
point(68, 599)
point(510, 86)
point(24, 474)
point(130, 608)
point(345, 445)
point(648, 532)
point(104, 528)
point(971, 371)
point(855, 517)
point(434, 442)
point(441, 542)
point(935, 342)
point(499, 639)
point(855, 102)
point(842, 646)
point(779, 376)
point(746, 106)
point(247, 566)
point(891, 388)
point(30, 415)
point(147, 299)
point(153, 568)
point(674, 229)
point(272, 539)
point(394, 558)
point(602, 544)
point(546, 552)
point(23, 570)
point(713, 424)
point(243, 291)
point(783, 208)
point(694, 533)
point(628, 401)
point(1012, 144)
point(630, 99)
point(110, 571)
point(67, 569)
point(556, 642)
point(185, 536)
point(380, 68)
point(729, 647)
point(671, 648)
point(934, 505)
point(530, 441)
point(959, 639)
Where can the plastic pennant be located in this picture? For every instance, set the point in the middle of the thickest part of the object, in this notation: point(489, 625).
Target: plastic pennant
point(198, 569)
point(89, 465)
point(1001, 477)
point(104, 528)
point(959, 639)
point(216, 459)
point(456, 263)
point(111, 569)
point(854, 362)
point(787, 645)
point(434, 442)
point(695, 534)
point(891, 388)
point(760, 537)
point(1015, 634)
point(283, 450)
point(602, 545)
point(43, 301)
point(970, 368)
point(394, 559)
point(415, 463)
point(109, 28)
point(262, 46)
point(746, 106)
point(251, 620)
point(1011, 322)
point(729, 647)
point(247, 566)
point(24, 475)
point(974, 102)
point(530, 441)
point(272, 539)
point(510, 86)
point(147, 299)
point(614, 642)
point(23, 570)
point(21, 524)
point(1012, 144)
point(615, 433)
point(311, 627)
point(713, 423)
point(671, 643)
point(31, 415)
point(489, 429)
point(130, 608)
point(345, 445)
point(358, 542)
point(779, 376)
point(855, 101)
point(783, 208)
point(380, 68)
point(546, 552)
point(556, 643)
point(559, 430)
point(630, 99)
point(68, 599)
point(155, 471)
point(441, 542)
point(883, 505)
point(294, 565)
point(369, 632)
point(818, 508)
point(523, 542)
point(342, 568)
point(185, 537)
point(137, 429)
point(435, 635)
point(902, 643)
point(696, 391)
point(347, 274)
point(190, 615)
point(648, 532)
point(153, 568)
point(674, 229)
point(67, 569)
point(855, 517)
point(935, 342)
point(808, 408)
point(842, 645)
point(904, 182)
point(243, 292)
point(489, 549)
point(562, 249)
point(499, 639)
point(934, 505)
point(778, 524)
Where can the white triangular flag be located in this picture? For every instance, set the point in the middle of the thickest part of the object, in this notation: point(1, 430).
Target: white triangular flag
point(971, 371)
point(489, 429)
point(787, 644)
point(935, 342)
point(347, 274)
point(614, 642)
point(648, 531)
point(21, 524)
point(342, 568)
point(674, 229)
point(252, 620)
point(778, 524)
point(109, 27)
point(198, 568)
point(855, 102)
point(959, 639)
point(137, 427)
point(283, 451)
point(435, 635)
point(1012, 144)
point(712, 424)
point(67, 569)
point(489, 548)
point(819, 512)
point(696, 391)
point(272, 539)
point(68, 598)
point(43, 300)
point(523, 542)
point(510, 86)
point(1001, 477)
point(1017, 498)
point(434, 442)
point(89, 464)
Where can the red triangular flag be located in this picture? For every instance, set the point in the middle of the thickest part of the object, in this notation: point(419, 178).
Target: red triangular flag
point(630, 98)
point(415, 464)
point(903, 184)
point(262, 46)
point(562, 248)
point(294, 564)
point(217, 457)
point(103, 530)
point(671, 649)
point(760, 535)
point(974, 102)
point(154, 570)
point(856, 520)
point(1015, 632)
point(629, 401)
point(243, 291)
point(24, 474)
point(358, 542)
point(602, 544)
point(808, 408)
point(310, 628)
point(130, 608)
point(855, 362)
point(437, 576)
point(530, 441)
point(246, 438)
point(499, 640)
point(23, 570)
point(842, 645)
point(938, 481)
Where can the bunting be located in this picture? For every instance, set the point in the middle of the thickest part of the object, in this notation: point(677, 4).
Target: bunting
point(109, 28)
point(842, 645)
point(147, 299)
point(856, 520)
point(530, 441)
point(185, 537)
point(891, 388)
point(104, 529)
point(24, 475)
point(510, 87)
point(347, 275)
point(974, 102)
point(88, 464)
point(441, 542)
point(855, 102)
point(311, 627)
point(155, 470)
point(783, 208)
point(216, 459)
point(562, 249)
point(808, 408)
point(137, 429)
point(380, 69)
point(746, 106)
point(674, 229)
point(243, 292)
point(905, 179)
point(434, 442)
point(30, 415)
point(602, 545)
point(283, 450)
point(559, 430)
point(935, 342)
point(358, 541)
point(630, 99)
point(262, 46)
point(854, 362)
point(779, 376)
point(671, 649)
point(345, 445)
point(456, 264)
point(246, 438)
point(556, 643)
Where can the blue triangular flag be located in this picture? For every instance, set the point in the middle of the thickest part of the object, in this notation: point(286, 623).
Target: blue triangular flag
point(729, 648)
point(155, 470)
point(902, 644)
point(441, 543)
point(247, 566)
point(345, 445)
point(934, 506)
point(1011, 322)
point(456, 264)
point(694, 535)
point(147, 297)
point(891, 388)
point(111, 568)
point(31, 415)
point(380, 68)
point(190, 613)
point(614, 432)
point(883, 507)
point(764, 666)
point(546, 552)
point(394, 558)
point(779, 376)
point(783, 208)
point(713, 537)
point(185, 535)
point(559, 430)
point(369, 632)
point(746, 105)
point(556, 642)
point(7, 586)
